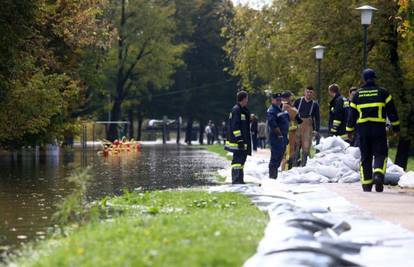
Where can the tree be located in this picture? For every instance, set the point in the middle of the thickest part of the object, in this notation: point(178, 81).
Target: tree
point(41, 85)
point(145, 51)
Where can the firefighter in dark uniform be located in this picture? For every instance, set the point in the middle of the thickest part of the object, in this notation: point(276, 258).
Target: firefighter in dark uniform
point(238, 137)
point(370, 108)
point(338, 111)
point(278, 128)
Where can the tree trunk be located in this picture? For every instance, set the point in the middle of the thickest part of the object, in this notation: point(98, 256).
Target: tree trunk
point(189, 130)
point(115, 115)
point(139, 134)
point(131, 124)
point(201, 133)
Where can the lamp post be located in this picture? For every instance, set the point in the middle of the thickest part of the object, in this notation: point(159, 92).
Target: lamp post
point(366, 17)
point(319, 49)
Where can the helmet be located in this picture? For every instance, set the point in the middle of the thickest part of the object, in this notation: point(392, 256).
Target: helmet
point(368, 74)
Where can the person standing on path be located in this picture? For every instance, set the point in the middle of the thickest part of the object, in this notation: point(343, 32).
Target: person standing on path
point(253, 129)
point(337, 112)
point(309, 112)
point(261, 134)
point(294, 121)
point(278, 127)
point(370, 108)
point(351, 93)
point(238, 137)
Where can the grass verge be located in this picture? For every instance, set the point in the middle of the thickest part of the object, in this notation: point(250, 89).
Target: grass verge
point(162, 228)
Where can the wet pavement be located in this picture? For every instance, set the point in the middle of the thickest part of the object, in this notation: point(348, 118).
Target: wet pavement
point(31, 185)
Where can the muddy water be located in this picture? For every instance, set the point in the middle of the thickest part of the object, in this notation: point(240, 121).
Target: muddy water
point(30, 184)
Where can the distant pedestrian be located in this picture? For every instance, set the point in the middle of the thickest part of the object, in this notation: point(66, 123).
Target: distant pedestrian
point(278, 127)
point(337, 112)
point(224, 132)
point(370, 108)
point(253, 130)
point(238, 137)
point(309, 112)
point(209, 133)
point(261, 134)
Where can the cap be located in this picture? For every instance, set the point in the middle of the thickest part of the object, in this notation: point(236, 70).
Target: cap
point(368, 74)
point(286, 94)
point(276, 95)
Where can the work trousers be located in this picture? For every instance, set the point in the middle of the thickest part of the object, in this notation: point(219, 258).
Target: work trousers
point(277, 150)
point(237, 166)
point(373, 147)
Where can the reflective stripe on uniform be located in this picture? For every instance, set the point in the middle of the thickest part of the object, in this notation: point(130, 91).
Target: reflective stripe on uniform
point(344, 136)
point(243, 117)
point(237, 133)
point(337, 123)
point(353, 105)
point(236, 166)
point(379, 117)
point(383, 169)
point(363, 181)
point(395, 123)
point(350, 129)
point(389, 98)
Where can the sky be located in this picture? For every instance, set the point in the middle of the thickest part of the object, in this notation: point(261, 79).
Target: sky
point(256, 4)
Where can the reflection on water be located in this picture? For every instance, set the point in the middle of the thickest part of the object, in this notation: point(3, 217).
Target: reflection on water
point(30, 184)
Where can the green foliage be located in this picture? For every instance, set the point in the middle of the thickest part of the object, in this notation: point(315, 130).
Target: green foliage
point(271, 48)
point(74, 209)
point(40, 54)
point(187, 228)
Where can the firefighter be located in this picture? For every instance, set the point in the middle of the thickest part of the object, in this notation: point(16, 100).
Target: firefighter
point(309, 113)
point(294, 121)
point(370, 108)
point(238, 137)
point(338, 108)
point(277, 127)
point(352, 91)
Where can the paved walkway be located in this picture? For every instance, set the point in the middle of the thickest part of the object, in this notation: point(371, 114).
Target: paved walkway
point(394, 204)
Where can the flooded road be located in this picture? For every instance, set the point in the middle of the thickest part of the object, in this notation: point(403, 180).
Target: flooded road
point(31, 185)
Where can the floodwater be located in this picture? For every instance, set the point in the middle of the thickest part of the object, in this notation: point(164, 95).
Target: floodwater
point(31, 185)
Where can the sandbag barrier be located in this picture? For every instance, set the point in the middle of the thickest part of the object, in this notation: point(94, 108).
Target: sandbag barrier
point(303, 232)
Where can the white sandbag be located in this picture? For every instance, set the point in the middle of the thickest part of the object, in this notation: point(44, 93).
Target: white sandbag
point(407, 180)
point(354, 151)
point(327, 171)
point(351, 177)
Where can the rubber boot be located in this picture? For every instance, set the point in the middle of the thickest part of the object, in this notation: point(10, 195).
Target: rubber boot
point(237, 176)
point(367, 187)
point(241, 181)
point(234, 176)
point(272, 172)
point(304, 158)
point(379, 181)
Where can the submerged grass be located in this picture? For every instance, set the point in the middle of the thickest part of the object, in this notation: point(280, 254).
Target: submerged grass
point(163, 228)
point(218, 149)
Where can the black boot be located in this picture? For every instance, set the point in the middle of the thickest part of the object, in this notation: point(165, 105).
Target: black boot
point(272, 172)
point(367, 187)
point(234, 176)
point(241, 181)
point(237, 176)
point(379, 181)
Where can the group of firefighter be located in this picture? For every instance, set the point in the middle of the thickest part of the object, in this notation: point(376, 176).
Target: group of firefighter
point(361, 120)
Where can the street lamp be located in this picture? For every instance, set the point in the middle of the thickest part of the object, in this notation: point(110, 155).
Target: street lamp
point(319, 49)
point(366, 17)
